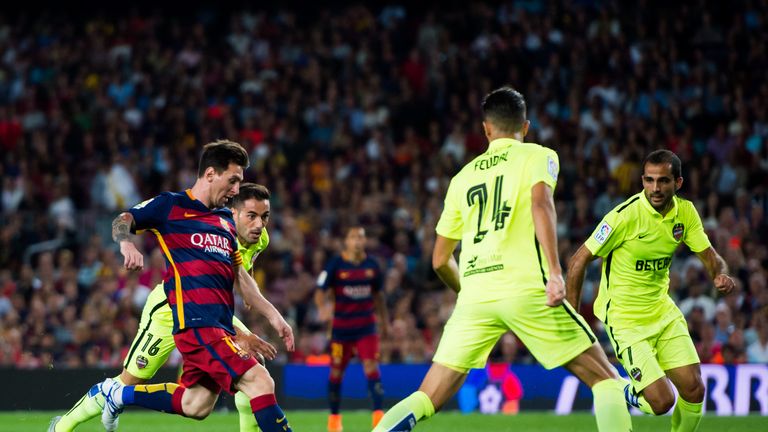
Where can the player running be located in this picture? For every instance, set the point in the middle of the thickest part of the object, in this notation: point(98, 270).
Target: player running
point(649, 333)
point(154, 340)
point(352, 282)
point(197, 235)
point(500, 207)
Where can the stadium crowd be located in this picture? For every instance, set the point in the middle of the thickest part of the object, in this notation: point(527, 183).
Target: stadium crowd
point(363, 114)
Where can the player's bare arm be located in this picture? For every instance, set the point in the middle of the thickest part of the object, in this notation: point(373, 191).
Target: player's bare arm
point(444, 263)
point(121, 233)
point(324, 304)
point(251, 294)
point(544, 221)
point(380, 304)
point(717, 269)
point(574, 281)
point(254, 344)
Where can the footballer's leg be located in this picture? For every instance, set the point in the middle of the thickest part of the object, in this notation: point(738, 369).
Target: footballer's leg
point(677, 356)
point(368, 351)
point(656, 398)
point(593, 368)
point(243, 405)
point(242, 402)
point(439, 385)
point(690, 388)
point(645, 375)
point(560, 336)
point(468, 338)
point(341, 354)
point(259, 386)
point(211, 362)
point(148, 352)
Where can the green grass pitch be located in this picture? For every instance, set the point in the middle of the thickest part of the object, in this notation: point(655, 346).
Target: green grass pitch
point(354, 421)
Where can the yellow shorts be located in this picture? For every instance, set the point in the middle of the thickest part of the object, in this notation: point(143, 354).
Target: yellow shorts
point(554, 335)
point(154, 340)
point(646, 360)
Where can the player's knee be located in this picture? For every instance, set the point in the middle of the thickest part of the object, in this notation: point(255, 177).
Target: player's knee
point(257, 381)
point(693, 392)
point(197, 409)
point(662, 403)
point(336, 373)
point(128, 379)
point(370, 367)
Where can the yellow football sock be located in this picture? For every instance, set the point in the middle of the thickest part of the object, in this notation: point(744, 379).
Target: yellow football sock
point(686, 416)
point(88, 407)
point(247, 420)
point(610, 408)
point(407, 412)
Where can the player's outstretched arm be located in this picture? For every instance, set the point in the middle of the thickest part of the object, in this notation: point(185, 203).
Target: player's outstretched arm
point(717, 269)
point(252, 342)
point(121, 233)
point(574, 279)
point(444, 263)
point(252, 295)
point(545, 221)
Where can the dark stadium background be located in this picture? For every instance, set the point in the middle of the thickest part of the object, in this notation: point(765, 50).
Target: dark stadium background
point(362, 113)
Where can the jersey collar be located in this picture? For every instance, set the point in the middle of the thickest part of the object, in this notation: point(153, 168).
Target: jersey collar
point(197, 202)
point(647, 205)
point(248, 251)
point(245, 248)
point(502, 142)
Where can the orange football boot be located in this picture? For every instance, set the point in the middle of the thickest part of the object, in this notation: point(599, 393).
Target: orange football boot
point(376, 417)
point(334, 423)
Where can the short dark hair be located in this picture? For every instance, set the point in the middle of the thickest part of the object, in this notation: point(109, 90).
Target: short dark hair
point(249, 191)
point(352, 226)
point(505, 109)
point(658, 157)
point(219, 154)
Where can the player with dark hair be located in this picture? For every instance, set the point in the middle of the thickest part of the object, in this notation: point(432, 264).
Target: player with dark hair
point(154, 340)
point(500, 207)
point(350, 286)
point(649, 333)
point(198, 237)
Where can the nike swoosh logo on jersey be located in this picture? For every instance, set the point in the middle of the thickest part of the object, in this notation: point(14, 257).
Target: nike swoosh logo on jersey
point(642, 236)
point(189, 214)
point(280, 420)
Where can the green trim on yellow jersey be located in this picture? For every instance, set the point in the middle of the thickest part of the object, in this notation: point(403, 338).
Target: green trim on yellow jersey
point(488, 208)
point(637, 244)
point(250, 253)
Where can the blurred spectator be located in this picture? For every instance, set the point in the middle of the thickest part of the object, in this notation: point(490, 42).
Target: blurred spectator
point(365, 116)
point(757, 351)
point(697, 299)
point(724, 327)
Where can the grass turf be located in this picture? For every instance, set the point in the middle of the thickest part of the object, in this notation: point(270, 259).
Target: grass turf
point(354, 421)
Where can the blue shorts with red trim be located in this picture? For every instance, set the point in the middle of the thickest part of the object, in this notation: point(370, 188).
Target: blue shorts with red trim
point(211, 358)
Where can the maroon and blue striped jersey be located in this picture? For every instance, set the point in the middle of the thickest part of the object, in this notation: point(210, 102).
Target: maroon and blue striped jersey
point(354, 286)
point(200, 248)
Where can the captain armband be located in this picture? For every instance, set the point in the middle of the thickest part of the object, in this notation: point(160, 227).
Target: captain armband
point(237, 258)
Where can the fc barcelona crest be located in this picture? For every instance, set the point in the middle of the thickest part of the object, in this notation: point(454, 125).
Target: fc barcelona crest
point(225, 224)
point(677, 231)
point(245, 355)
